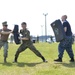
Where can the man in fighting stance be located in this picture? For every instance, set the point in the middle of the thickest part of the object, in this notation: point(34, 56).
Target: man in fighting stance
point(27, 43)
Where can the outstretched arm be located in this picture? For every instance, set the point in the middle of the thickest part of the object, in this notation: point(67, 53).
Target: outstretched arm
point(6, 33)
point(24, 38)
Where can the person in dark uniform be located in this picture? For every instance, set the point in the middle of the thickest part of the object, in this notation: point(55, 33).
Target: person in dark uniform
point(26, 43)
point(66, 44)
point(4, 34)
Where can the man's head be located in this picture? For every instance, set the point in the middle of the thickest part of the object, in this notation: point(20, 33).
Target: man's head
point(24, 25)
point(64, 17)
point(5, 25)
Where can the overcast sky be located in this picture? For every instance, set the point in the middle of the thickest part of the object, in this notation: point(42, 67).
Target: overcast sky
point(31, 11)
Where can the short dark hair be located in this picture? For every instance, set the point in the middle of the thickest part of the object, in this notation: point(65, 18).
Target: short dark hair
point(23, 23)
point(65, 16)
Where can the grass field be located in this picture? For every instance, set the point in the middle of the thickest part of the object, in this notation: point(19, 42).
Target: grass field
point(30, 64)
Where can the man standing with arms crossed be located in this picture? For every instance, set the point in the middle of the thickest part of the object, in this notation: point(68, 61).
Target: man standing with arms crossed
point(67, 42)
point(26, 43)
point(4, 34)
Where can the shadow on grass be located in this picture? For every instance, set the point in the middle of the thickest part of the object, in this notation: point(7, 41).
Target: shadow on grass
point(70, 65)
point(21, 64)
point(7, 64)
point(27, 64)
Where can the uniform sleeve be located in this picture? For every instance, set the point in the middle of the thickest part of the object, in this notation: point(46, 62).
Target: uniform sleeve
point(65, 24)
point(28, 34)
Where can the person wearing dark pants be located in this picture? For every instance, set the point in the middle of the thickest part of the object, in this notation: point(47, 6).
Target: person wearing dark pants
point(66, 44)
point(26, 43)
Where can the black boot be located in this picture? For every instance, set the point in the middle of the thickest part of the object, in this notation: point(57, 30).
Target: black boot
point(5, 60)
point(16, 57)
point(15, 60)
point(44, 60)
point(58, 60)
point(72, 59)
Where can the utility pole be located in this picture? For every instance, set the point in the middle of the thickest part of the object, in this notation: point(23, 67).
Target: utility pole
point(45, 26)
point(42, 32)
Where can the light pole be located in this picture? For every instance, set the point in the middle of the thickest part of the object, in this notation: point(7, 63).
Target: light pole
point(45, 27)
point(42, 32)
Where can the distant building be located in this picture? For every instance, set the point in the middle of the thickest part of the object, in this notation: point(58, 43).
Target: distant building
point(42, 38)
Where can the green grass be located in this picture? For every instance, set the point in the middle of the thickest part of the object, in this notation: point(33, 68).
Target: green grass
point(30, 64)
